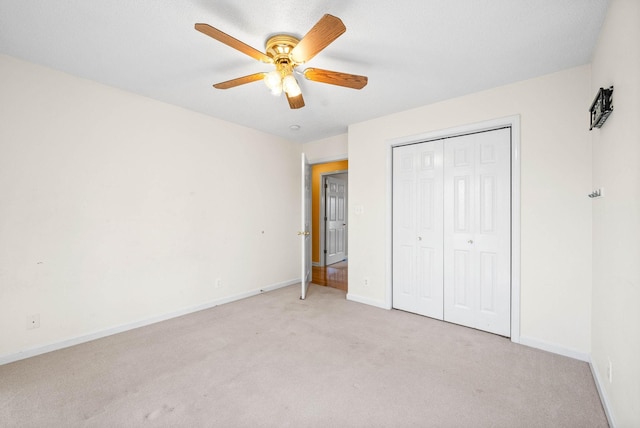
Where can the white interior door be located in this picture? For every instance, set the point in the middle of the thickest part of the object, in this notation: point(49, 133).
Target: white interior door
point(477, 231)
point(336, 219)
point(417, 228)
point(305, 227)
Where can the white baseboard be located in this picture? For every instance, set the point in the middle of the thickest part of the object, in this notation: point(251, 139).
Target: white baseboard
point(556, 349)
point(602, 392)
point(367, 301)
point(523, 340)
point(10, 358)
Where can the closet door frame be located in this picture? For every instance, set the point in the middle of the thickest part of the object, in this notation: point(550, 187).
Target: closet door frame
point(512, 122)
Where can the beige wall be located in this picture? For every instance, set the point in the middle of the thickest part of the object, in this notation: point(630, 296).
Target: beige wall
point(326, 150)
point(616, 216)
point(116, 208)
point(556, 214)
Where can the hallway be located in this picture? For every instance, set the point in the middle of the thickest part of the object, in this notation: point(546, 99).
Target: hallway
point(334, 275)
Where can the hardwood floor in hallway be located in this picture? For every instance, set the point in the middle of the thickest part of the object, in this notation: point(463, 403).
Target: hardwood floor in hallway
point(334, 275)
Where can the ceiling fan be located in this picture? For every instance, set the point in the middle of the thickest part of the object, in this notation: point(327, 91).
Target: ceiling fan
point(286, 53)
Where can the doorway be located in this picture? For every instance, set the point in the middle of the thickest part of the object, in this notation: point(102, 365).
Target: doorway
point(330, 224)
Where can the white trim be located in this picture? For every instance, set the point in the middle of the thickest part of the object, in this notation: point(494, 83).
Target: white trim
point(389, 229)
point(602, 392)
point(556, 349)
point(455, 131)
point(515, 228)
point(10, 358)
point(267, 288)
point(509, 121)
point(367, 301)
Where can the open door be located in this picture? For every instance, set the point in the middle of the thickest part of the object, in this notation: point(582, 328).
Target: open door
point(305, 227)
point(336, 220)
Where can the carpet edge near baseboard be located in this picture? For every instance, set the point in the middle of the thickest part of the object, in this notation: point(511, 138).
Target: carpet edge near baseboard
point(54, 346)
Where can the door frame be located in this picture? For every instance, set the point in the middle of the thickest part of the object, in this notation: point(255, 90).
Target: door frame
point(321, 223)
point(510, 121)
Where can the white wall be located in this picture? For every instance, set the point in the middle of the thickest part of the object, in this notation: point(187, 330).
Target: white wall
point(115, 208)
point(556, 214)
point(327, 149)
point(616, 217)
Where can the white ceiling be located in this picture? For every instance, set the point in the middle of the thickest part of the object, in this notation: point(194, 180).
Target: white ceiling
point(415, 52)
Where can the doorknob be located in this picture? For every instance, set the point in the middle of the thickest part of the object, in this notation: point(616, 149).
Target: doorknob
point(419, 238)
point(470, 241)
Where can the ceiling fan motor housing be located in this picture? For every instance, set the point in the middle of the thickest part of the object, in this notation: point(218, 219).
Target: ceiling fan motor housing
point(279, 48)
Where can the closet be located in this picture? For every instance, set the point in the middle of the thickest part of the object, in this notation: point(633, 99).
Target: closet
point(452, 229)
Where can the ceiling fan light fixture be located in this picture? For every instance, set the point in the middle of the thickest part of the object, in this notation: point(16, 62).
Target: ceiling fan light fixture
point(273, 80)
point(290, 86)
point(276, 91)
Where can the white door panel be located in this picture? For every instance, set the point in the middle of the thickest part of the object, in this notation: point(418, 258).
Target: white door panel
point(477, 231)
point(461, 269)
point(417, 230)
point(336, 219)
point(426, 273)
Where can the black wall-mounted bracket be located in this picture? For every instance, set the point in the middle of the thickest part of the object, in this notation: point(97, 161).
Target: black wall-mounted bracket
point(601, 107)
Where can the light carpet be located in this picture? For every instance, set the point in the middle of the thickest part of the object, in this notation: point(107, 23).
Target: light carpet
point(276, 361)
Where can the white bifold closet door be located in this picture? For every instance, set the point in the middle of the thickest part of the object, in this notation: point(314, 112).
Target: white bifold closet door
point(417, 228)
point(477, 231)
point(457, 211)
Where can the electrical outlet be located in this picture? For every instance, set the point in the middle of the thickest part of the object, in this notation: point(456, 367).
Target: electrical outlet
point(33, 321)
point(366, 282)
point(218, 283)
point(609, 370)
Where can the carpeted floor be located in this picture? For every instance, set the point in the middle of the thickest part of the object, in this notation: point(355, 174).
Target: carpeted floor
point(275, 361)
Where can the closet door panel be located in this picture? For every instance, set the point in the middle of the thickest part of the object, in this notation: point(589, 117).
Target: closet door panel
point(477, 231)
point(417, 225)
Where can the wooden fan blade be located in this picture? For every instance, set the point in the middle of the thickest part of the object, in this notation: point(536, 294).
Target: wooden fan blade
point(295, 102)
point(232, 42)
point(335, 78)
point(240, 81)
point(319, 37)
